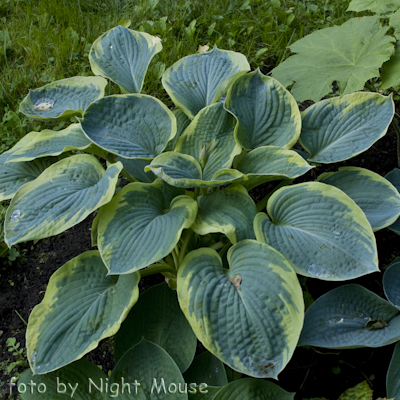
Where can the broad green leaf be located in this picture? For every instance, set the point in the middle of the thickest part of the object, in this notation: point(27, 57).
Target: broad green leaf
point(394, 22)
point(393, 374)
point(230, 211)
point(394, 177)
point(270, 163)
point(203, 392)
point(49, 143)
point(64, 98)
point(350, 316)
point(339, 128)
point(210, 140)
point(376, 196)
point(199, 80)
point(14, 175)
point(390, 76)
point(131, 126)
point(135, 168)
point(376, 6)
point(123, 56)
point(250, 315)
point(362, 391)
point(182, 122)
point(82, 306)
point(349, 54)
point(155, 372)
point(182, 170)
point(206, 368)
point(267, 113)
point(71, 381)
point(253, 389)
point(158, 318)
point(135, 228)
point(391, 283)
point(320, 230)
point(61, 197)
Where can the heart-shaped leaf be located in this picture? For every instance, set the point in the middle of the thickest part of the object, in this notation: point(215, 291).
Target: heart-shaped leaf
point(199, 80)
point(131, 126)
point(394, 178)
point(135, 229)
point(267, 113)
point(376, 196)
point(392, 377)
point(250, 315)
point(391, 283)
point(270, 163)
point(158, 318)
point(152, 373)
point(339, 128)
point(61, 197)
point(82, 306)
point(72, 381)
point(320, 230)
point(350, 316)
point(230, 211)
point(49, 143)
point(123, 56)
point(64, 98)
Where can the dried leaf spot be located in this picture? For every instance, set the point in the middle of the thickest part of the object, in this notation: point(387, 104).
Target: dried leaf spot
point(44, 104)
point(375, 324)
point(236, 281)
point(203, 49)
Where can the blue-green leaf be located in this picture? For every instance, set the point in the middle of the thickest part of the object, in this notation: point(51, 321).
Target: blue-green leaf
point(393, 374)
point(394, 177)
point(135, 168)
point(391, 283)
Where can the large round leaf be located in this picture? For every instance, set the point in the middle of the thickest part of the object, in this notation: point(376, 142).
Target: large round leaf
point(131, 126)
point(253, 389)
point(61, 197)
point(339, 128)
point(393, 374)
point(376, 196)
point(49, 143)
point(391, 283)
point(64, 98)
point(158, 318)
point(394, 177)
point(82, 306)
point(136, 229)
point(14, 175)
point(153, 373)
point(71, 381)
point(198, 80)
point(270, 163)
point(250, 315)
point(350, 316)
point(230, 211)
point(267, 113)
point(123, 56)
point(320, 230)
point(211, 131)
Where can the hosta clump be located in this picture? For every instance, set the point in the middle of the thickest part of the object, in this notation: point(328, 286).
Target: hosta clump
point(187, 214)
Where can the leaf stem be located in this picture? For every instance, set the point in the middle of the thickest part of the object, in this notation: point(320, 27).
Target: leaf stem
point(185, 245)
point(261, 204)
point(217, 246)
point(175, 256)
point(157, 268)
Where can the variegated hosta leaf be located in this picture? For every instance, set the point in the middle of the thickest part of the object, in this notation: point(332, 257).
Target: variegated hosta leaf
point(211, 130)
point(135, 228)
point(391, 283)
point(71, 381)
point(394, 178)
point(380, 7)
point(250, 315)
point(14, 175)
point(64, 98)
point(154, 370)
point(49, 143)
point(123, 56)
point(342, 127)
point(320, 230)
point(82, 306)
point(158, 318)
point(392, 377)
point(376, 196)
point(131, 126)
point(267, 113)
point(253, 389)
point(271, 163)
point(135, 168)
point(230, 211)
point(182, 170)
point(199, 80)
point(182, 122)
point(350, 316)
point(362, 391)
point(61, 197)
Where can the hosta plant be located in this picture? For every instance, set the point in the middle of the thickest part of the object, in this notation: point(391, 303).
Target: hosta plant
point(231, 265)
